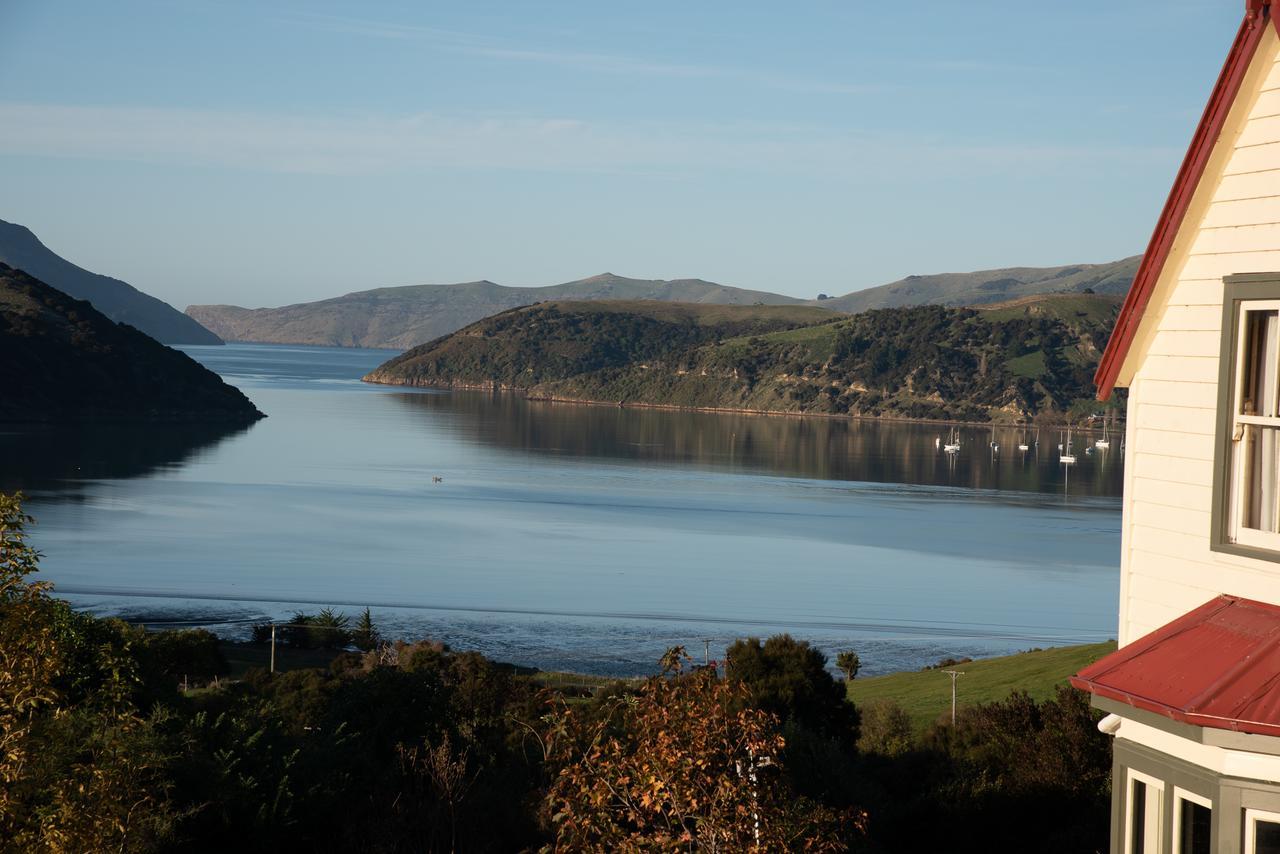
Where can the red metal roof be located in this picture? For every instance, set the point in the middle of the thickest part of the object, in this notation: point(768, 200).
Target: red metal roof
point(1217, 666)
point(1175, 208)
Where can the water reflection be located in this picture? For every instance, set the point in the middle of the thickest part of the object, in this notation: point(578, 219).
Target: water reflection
point(819, 448)
point(61, 460)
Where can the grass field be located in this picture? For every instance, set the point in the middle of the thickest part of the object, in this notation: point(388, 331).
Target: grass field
point(926, 694)
point(242, 656)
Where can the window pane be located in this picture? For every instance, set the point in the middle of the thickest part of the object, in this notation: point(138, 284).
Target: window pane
point(1260, 357)
point(1260, 478)
point(1193, 835)
point(1138, 818)
point(1266, 837)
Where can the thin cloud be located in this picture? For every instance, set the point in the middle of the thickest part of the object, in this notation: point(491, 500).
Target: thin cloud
point(604, 63)
point(370, 144)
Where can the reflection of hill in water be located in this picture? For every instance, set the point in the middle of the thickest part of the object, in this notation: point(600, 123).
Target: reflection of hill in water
point(818, 448)
point(54, 458)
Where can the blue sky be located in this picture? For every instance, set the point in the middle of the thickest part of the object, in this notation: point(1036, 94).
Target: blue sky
point(263, 153)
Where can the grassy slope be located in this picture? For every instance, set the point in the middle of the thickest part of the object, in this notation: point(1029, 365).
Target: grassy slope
point(926, 694)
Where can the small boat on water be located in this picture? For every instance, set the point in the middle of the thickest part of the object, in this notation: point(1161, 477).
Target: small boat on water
point(1105, 441)
point(953, 442)
point(1066, 456)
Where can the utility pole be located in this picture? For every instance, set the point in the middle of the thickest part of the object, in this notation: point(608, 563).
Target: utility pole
point(273, 647)
point(954, 674)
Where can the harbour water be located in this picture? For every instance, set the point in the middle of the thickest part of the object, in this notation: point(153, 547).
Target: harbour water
point(573, 537)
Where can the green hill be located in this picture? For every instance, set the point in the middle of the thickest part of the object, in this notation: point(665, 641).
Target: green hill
point(1009, 362)
point(548, 342)
point(926, 694)
point(989, 286)
point(63, 358)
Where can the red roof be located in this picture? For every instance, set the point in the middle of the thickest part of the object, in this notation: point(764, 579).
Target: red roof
point(1217, 666)
point(1175, 208)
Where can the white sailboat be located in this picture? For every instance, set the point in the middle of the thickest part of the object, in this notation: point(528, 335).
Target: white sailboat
point(1103, 443)
point(1067, 456)
point(953, 442)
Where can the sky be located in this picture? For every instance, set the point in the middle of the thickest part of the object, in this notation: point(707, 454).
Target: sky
point(264, 153)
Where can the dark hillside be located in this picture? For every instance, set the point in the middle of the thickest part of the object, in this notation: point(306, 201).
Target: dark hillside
point(553, 341)
point(62, 358)
point(120, 301)
point(1013, 361)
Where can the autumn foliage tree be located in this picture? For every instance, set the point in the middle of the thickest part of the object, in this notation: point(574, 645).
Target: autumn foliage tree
point(79, 768)
point(684, 763)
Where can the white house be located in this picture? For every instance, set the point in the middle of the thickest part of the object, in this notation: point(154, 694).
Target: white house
point(1193, 693)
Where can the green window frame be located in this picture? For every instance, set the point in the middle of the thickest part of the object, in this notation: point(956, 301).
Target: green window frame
point(1245, 515)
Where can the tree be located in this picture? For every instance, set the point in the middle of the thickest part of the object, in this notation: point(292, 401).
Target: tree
point(28, 657)
point(79, 768)
point(684, 763)
point(789, 678)
point(885, 729)
point(365, 635)
point(325, 630)
point(848, 663)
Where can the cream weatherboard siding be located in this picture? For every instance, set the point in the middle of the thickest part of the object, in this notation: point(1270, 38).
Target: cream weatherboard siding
point(1233, 226)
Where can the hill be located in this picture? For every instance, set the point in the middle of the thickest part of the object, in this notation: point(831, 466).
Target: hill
point(120, 301)
point(1010, 362)
point(64, 358)
point(399, 318)
point(522, 348)
point(402, 317)
point(926, 694)
point(987, 286)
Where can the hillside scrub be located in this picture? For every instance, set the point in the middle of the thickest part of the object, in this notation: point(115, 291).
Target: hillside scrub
point(1011, 362)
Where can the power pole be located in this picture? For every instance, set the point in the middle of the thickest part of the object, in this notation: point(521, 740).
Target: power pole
point(954, 674)
point(273, 647)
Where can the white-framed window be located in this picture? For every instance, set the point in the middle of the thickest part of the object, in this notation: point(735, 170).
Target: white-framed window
point(1261, 832)
point(1253, 499)
point(1192, 822)
point(1144, 813)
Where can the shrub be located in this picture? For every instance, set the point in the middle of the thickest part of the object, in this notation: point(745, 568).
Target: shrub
point(885, 728)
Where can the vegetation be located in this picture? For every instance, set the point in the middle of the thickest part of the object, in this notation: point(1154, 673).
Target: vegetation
point(926, 695)
point(62, 358)
point(1009, 362)
point(848, 663)
point(553, 341)
point(416, 747)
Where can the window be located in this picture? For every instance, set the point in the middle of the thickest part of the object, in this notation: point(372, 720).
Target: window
point(1261, 832)
point(1144, 813)
point(1192, 822)
point(1246, 511)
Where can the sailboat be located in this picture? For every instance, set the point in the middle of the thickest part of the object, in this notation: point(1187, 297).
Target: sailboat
point(1103, 443)
point(1022, 443)
point(1067, 457)
point(953, 442)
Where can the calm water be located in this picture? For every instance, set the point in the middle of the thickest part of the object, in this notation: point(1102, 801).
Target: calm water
point(588, 538)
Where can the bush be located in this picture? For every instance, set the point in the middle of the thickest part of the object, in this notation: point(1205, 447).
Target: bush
point(789, 678)
point(885, 728)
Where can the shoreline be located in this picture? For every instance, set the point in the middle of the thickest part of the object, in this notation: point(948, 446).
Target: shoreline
point(496, 388)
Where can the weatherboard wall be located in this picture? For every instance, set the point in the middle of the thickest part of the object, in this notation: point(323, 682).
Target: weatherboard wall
point(1232, 226)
